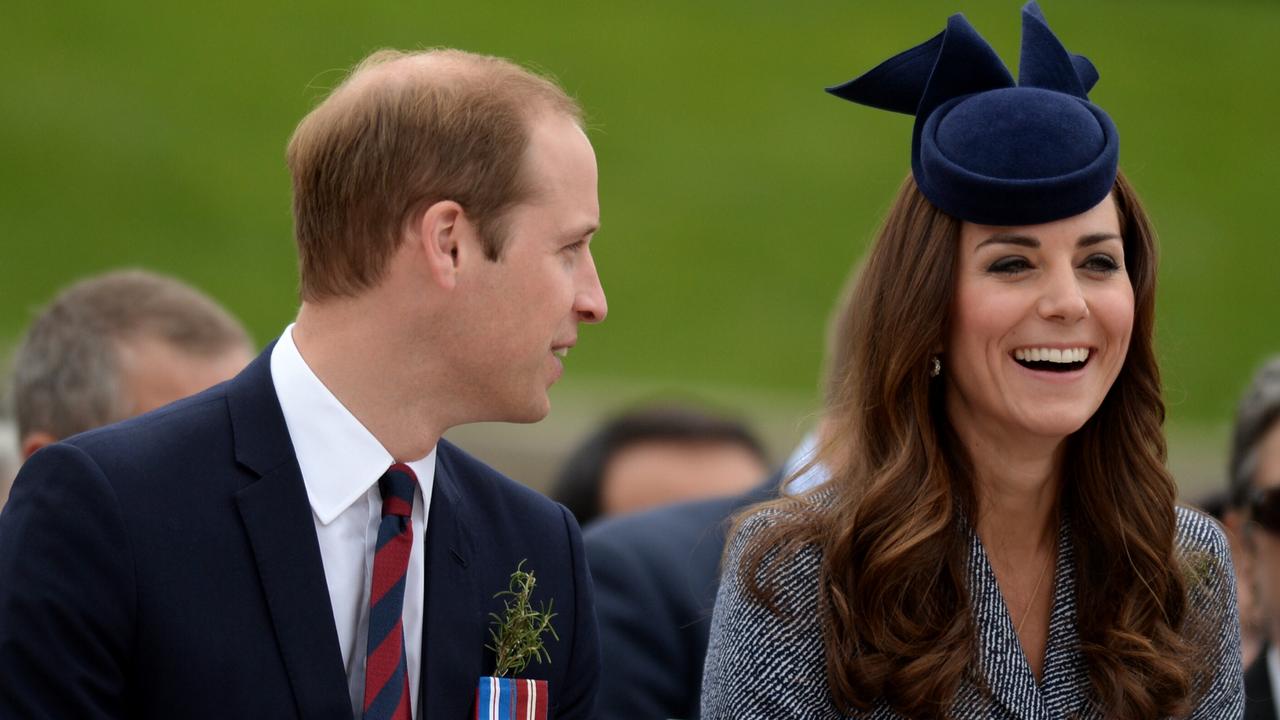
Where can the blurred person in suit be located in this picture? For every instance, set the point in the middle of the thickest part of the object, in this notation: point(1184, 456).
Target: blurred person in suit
point(656, 573)
point(1254, 514)
point(8, 457)
point(300, 542)
point(659, 455)
point(116, 345)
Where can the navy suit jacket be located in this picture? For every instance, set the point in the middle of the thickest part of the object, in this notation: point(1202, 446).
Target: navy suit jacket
point(656, 575)
point(168, 567)
point(1258, 701)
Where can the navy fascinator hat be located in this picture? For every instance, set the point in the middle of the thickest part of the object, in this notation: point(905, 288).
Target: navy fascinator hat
point(989, 150)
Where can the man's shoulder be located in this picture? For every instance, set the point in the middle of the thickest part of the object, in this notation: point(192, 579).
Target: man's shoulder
point(672, 528)
point(168, 433)
point(680, 524)
point(491, 489)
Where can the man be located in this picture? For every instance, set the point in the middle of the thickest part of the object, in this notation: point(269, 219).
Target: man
point(116, 345)
point(8, 457)
point(655, 456)
point(259, 550)
point(1255, 496)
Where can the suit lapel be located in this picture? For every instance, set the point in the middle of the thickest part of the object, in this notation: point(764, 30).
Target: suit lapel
point(454, 625)
point(277, 520)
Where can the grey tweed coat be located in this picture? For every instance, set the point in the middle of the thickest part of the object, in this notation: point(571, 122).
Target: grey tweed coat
point(760, 666)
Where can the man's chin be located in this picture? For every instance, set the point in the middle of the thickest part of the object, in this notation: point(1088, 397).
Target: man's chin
point(532, 413)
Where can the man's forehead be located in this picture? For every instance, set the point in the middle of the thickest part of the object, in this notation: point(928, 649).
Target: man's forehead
point(1267, 473)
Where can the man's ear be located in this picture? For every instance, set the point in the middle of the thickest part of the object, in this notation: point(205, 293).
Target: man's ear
point(35, 440)
point(441, 232)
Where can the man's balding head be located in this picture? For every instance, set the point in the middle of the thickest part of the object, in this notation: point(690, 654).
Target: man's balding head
point(402, 132)
point(116, 345)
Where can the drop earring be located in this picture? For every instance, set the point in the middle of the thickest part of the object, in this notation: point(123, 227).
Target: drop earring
point(935, 367)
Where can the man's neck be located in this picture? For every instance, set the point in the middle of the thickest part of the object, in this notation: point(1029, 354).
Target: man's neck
point(344, 345)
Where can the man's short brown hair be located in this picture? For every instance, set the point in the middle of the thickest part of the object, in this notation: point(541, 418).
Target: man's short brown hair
point(402, 132)
point(66, 374)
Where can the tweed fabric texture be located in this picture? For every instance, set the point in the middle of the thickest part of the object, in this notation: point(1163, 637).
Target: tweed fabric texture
point(761, 665)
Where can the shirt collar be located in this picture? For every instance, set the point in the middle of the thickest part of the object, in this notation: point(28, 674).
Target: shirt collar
point(339, 458)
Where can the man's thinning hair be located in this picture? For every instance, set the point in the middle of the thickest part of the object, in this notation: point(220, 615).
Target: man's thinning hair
point(66, 372)
point(402, 132)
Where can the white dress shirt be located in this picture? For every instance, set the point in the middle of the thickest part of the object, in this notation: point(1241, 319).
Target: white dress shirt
point(816, 475)
point(341, 462)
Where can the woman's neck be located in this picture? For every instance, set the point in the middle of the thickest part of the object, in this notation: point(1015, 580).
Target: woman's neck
point(1017, 484)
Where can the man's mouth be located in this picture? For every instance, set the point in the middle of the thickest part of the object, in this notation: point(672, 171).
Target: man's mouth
point(560, 352)
point(1052, 359)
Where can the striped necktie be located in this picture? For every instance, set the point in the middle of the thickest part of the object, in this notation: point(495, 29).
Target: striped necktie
point(386, 673)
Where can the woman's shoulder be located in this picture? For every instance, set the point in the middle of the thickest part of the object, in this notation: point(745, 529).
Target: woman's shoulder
point(1198, 534)
point(766, 545)
point(1205, 557)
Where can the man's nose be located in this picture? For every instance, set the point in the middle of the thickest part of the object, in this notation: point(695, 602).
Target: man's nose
point(589, 302)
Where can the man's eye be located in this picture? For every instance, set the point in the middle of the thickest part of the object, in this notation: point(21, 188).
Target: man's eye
point(1101, 263)
point(1009, 265)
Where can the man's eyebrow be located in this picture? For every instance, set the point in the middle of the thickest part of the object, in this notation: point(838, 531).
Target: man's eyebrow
point(582, 231)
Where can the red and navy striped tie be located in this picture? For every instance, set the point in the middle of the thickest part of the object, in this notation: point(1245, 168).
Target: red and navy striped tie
point(386, 673)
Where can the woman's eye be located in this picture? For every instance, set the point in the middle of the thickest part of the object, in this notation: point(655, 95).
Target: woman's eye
point(1009, 265)
point(1101, 263)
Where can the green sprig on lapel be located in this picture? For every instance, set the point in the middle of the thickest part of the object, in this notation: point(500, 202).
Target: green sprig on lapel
point(518, 637)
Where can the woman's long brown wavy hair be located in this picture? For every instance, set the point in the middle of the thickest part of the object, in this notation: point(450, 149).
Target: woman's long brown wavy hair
point(897, 622)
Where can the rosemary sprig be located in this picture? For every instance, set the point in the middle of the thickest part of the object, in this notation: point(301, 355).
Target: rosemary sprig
point(518, 638)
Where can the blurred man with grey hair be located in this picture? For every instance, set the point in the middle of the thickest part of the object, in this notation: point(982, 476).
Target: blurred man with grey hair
point(116, 345)
point(8, 456)
point(1254, 484)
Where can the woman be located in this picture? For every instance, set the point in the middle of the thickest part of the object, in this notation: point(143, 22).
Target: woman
point(999, 536)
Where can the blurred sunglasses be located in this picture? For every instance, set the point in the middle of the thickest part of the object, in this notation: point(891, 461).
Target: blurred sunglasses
point(1264, 509)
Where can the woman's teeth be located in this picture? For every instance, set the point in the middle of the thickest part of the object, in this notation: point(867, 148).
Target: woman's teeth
point(1053, 355)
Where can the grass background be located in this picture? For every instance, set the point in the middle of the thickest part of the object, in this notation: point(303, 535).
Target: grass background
point(735, 194)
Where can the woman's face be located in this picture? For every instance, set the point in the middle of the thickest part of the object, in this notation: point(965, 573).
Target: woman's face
point(1040, 326)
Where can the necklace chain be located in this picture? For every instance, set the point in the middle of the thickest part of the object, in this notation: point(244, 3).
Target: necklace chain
point(1026, 612)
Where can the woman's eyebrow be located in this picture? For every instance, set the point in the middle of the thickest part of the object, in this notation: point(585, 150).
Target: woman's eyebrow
point(1030, 242)
point(1009, 239)
point(1095, 238)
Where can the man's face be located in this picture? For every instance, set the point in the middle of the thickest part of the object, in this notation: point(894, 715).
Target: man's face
point(661, 472)
point(1266, 543)
point(154, 373)
point(523, 311)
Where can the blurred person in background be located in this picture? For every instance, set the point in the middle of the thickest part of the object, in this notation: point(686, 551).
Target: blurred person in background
point(1222, 506)
point(8, 456)
point(656, 574)
point(116, 345)
point(655, 456)
point(1254, 483)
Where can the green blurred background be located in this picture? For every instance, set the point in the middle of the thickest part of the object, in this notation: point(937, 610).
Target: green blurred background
point(735, 193)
